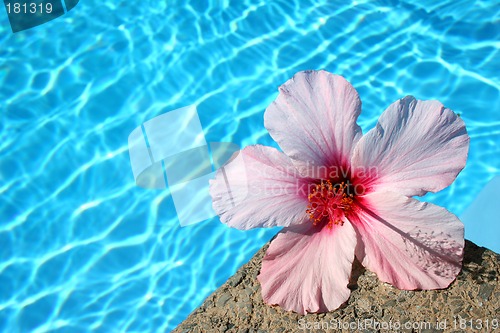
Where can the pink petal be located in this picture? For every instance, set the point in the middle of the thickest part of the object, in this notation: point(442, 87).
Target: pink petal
point(416, 147)
point(307, 270)
point(259, 187)
point(408, 243)
point(313, 119)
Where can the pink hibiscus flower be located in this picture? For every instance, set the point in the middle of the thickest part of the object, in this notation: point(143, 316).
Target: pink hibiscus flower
point(341, 195)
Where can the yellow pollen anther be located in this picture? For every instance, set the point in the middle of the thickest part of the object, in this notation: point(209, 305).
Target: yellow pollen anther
point(329, 203)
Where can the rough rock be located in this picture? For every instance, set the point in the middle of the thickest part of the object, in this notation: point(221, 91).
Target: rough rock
point(471, 303)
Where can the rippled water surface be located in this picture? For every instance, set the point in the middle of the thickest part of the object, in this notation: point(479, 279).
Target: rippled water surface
point(81, 247)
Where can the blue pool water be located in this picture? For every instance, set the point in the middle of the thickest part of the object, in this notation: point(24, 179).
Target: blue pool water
point(81, 247)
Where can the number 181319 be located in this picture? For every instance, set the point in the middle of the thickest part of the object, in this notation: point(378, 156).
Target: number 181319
point(29, 8)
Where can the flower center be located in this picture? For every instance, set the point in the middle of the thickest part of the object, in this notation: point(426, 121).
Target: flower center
point(329, 203)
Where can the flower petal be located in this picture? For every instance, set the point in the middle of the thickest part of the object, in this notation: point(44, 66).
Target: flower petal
point(408, 243)
point(313, 119)
point(307, 269)
point(416, 147)
point(259, 187)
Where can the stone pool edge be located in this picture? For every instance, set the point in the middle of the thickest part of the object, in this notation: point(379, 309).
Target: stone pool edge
point(237, 305)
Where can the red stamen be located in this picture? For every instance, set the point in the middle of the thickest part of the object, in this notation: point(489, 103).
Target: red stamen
point(329, 201)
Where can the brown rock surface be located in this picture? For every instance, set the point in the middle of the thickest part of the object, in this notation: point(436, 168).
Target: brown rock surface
point(237, 305)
